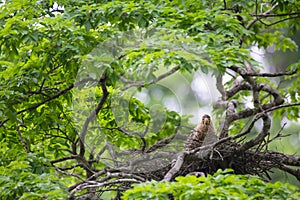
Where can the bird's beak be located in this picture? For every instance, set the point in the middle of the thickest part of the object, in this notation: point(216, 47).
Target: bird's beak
point(206, 121)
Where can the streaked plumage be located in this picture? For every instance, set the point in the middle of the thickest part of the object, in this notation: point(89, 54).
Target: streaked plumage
point(204, 133)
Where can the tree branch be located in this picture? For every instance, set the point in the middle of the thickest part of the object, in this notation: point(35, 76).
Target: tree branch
point(292, 160)
point(61, 92)
point(220, 86)
point(282, 106)
point(241, 86)
point(176, 167)
point(230, 110)
point(263, 15)
point(66, 173)
point(95, 184)
point(92, 115)
point(64, 159)
point(252, 22)
point(270, 74)
point(143, 83)
point(294, 172)
point(282, 20)
point(160, 144)
point(259, 137)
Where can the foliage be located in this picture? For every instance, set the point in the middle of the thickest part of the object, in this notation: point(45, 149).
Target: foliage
point(221, 185)
point(70, 71)
point(27, 176)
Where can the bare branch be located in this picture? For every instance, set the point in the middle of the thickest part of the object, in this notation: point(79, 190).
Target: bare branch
point(228, 119)
point(282, 106)
point(95, 184)
point(176, 167)
point(64, 159)
point(160, 144)
point(291, 160)
point(220, 86)
point(237, 88)
point(263, 15)
point(142, 83)
point(259, 137)
point(252, 22)
point(257, 117)
point(256, 88)
point(270, 74)
point(282, 20)
point(61, 92)
point(278, 135)
point(68, 174)
point(101, 152)
point(93, 115)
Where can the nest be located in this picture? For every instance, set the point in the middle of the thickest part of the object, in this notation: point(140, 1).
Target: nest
point(139, 168)
point(224, 156)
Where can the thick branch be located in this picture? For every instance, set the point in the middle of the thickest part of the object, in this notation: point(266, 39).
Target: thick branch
point(230, 110)
point(176, 167)
point(270, 74)
point(237, 88)
point(260, 137)
point(292, 160)
point(220, 86)
point(294, 172)
point(93, 115)
point(256, 88)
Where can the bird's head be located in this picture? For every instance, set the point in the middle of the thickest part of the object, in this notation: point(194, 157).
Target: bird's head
point(206, 120)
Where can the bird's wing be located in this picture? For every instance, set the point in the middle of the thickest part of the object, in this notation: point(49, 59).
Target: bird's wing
point(194, 140)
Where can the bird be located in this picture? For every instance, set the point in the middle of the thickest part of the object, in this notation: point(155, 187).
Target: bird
point(203, 134)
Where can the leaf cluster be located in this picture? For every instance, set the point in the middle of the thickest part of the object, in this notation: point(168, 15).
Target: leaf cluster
point(28, 177)
point(221, 185)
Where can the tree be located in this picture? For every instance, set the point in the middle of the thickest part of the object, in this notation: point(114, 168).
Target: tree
point(70, 71)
